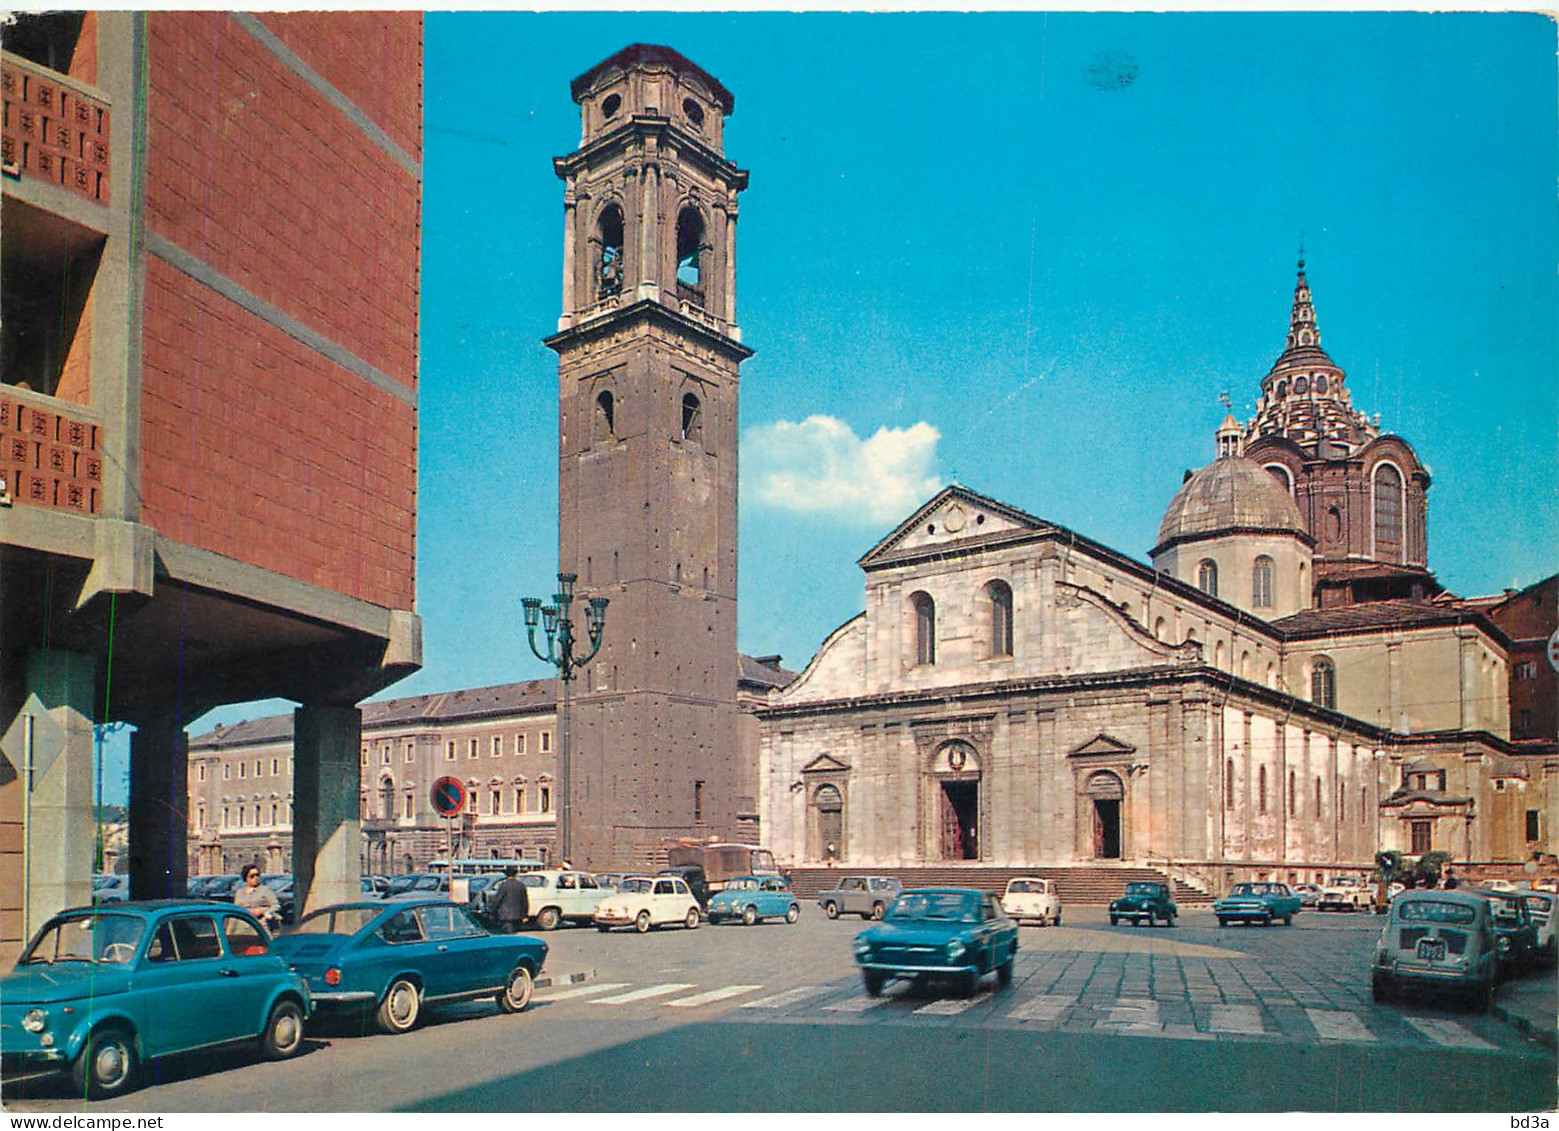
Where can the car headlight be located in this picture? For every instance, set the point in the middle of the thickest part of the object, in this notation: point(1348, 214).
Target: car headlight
point(35, 1021)
point(955, 949)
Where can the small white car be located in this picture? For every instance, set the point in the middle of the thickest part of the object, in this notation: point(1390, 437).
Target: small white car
point(1032, 899)
point(648, 901)
point(1345, 893)
point(557, 895)
point(1499, 885)
point(1540, 906)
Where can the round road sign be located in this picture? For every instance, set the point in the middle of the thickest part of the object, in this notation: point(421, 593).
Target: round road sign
point(1553, 650)
point(448, 797)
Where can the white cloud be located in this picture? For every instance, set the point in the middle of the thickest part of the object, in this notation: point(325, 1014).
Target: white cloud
point(820, 466)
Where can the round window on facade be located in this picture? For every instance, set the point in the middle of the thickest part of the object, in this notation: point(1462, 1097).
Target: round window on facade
point(694, 112)
point(612, 104)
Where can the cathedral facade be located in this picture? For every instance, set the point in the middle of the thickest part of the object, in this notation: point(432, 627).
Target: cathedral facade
point(1282, 692)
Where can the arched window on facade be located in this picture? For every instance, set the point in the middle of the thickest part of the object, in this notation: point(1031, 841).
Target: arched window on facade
point(925, 628)
point(1261, 583)
point(692, 418)
point(1323, 683)
point(605, 415)
point(609, 266)
point(829, 804)
point(1207, 577)
point(690, 252)
point(1388, 512)
point(1000, 596)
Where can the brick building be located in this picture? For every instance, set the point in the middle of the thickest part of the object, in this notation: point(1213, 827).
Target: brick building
point(209, 462)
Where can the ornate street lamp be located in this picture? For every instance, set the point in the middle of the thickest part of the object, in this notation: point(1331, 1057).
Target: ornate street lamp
point(559, 628)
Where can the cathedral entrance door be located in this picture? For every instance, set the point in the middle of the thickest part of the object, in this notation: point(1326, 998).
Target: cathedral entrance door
point(1107, 830)
point(960, 807)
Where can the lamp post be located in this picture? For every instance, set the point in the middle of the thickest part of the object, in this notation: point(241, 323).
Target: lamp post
point(559, 628)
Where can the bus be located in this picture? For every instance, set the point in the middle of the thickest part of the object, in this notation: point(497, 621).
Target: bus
point(480, 865)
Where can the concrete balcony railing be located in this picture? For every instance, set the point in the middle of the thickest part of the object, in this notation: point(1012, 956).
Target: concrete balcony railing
point(55, 129)
point(49, 458)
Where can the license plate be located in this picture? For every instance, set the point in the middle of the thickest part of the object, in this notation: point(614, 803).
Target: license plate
point(1431, 949)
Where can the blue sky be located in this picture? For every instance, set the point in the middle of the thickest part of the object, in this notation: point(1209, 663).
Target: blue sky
point(1023, 252)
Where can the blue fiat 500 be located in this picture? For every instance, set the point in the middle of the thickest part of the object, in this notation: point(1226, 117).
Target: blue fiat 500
point(100, 990)
point(750, 898)
point(938, 933)
point(399, 957)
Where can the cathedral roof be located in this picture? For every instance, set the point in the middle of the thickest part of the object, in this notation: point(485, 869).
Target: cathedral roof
point(1230, 495)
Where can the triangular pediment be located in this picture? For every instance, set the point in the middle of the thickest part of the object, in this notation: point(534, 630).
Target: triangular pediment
point(1102, 743)
point(824, 764)
point(954, 515)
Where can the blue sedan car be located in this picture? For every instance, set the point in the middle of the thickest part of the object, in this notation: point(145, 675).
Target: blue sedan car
point(101, 989)
point(397, 958)
point(938, 933)
point(750, 898)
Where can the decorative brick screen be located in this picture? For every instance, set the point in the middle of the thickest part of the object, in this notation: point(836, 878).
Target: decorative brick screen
point(53, 131)
point(48, 459)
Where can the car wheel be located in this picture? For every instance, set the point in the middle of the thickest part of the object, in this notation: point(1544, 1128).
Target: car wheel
point(1058, 919)
point(877, 910)
point(749, 915)
point(793, 913)
point(283, 1034)
point(831, 910)
point(1114, 921)
point(642, 923)
point(691, 922)
point(547, 918)
point(1380, 989)
point(106, 1064)
point(1004, 973)
point(398, 1011)
point(1288, 920)
point(1266, 920)
point(602, 927)
point(969, 983)
point(1222, 922)
point(1170, 922)
point(874, 981)
point(517, 990)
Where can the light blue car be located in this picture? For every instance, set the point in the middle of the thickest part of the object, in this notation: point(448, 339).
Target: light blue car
point(100, 990)
point(750, 898)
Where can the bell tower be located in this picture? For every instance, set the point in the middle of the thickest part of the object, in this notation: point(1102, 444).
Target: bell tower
point(648, 357)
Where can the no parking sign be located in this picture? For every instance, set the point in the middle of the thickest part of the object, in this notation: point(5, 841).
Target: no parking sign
point(1553, 650)
point(448, 797)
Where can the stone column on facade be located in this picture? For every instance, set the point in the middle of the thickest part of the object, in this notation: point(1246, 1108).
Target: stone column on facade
point(58, 828)
point(570, 243)
point(159, 807)
point(327, 741)
point(730, 262)
point(649, 236)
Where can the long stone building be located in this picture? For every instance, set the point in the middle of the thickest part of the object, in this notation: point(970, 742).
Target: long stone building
point(1284, 691)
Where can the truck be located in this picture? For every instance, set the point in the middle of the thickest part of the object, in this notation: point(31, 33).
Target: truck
point(721, 860)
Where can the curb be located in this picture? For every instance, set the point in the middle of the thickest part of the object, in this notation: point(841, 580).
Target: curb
point(1543, 1034)
point(564, 979)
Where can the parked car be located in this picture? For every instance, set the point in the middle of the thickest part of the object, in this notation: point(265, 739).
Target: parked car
point(751, 898)
point(1437, 940)
point(1261, 902)
point(697, 882)
point(1540, 906)
point(866, 896)
point(417, 885)
point(220, 887)
point(938, 933)
point(1309, 894)
point(374, 887)
point(1144, 900)
point(648, 901)
point(1345, 893)
point(611, 881)
point(1499, 885)
point(110, 887)
point(282, 886)
point(556, 896)
point(98, 991)
point(399, 958)
point(1514, 932)
point(1028, 897)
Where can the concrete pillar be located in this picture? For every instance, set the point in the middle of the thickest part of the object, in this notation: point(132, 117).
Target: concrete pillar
point(159, 808)
point(325, 781)
point(60, 830)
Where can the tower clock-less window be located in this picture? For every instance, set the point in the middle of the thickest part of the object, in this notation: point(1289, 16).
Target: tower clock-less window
point(925, 628)
point(605, 415)
point(1000, 594)
point(609, 252)
point(1388, 512)
point(1261, 583)
point(692, 418)
point(690, 251)
point(1323, 684)
point(1207, 577)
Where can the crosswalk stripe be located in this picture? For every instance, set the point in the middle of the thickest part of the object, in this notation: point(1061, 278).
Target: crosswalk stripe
point(582, 991)
point(855, 1004)
point(1236, 1019)
point(1046, 1007)
point(947, 1006)
point(1449, 1033)
point(1338, 1025)
point(646, 992)
point(711, 996)
point(781, 1000)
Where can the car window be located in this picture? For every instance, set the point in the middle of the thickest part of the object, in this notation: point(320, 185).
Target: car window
point(444, 922)
point(680, 887)
point(743, 884)
point(196, 937)
point(161, 948)
point(566, 883)
point(343, 921)
point(1435, 911)
point(243, 937)
point(637, 886)
point(1539, 903)
point(663, 887)
point(1141, 889)
point(588, 883)
point(532, 880)
point(990, 908)
point(401, 928)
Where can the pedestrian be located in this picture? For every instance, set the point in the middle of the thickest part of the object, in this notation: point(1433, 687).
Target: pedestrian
point(509, 903)
point(1451, 881)
point(831, 853)
point(257, 899)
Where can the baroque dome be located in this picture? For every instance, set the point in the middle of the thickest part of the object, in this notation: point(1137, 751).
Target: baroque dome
point(1229, 496)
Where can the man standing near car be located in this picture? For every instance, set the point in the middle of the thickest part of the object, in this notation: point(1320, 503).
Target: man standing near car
point(510, 902)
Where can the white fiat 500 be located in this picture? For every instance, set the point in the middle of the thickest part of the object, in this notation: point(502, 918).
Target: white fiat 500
point(648, 901)
point(1032, 899)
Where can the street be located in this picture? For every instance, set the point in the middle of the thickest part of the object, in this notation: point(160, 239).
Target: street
point(773, 1017)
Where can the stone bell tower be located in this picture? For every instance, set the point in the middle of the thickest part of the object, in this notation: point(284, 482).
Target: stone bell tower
point(648, 357)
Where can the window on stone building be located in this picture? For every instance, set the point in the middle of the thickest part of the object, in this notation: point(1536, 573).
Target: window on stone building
point(275, 814)
point(546, 741)
point(1228, 784)
point(200, 818)
point(1207, 577)
point(519, 744)
point(449, 751)
point(1388, 512)
point(408, 805)
point(609, 266)
point(1261, 789)
point(473, 748)
point(698, 801)
point(1000, 594)
point(387, 799)
point(546, 799)
point(690, 252)
point(259, 767)
point(497, 802)
point(1261, 583)
point(497, 746)
point(692, 418)
point(257, 816)
point(1534, 824)
point(1422, 837)
point(224, 816)
point(1527, 669)
point(384, 756)
point(243, 770)
point(1158, 629)
point(925, 628)
point(200, 771)
point(519, 799)
point(1524, 721)
point(605, 415)
point(1323, 683)
point(411, 752)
